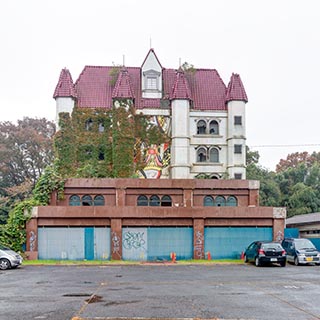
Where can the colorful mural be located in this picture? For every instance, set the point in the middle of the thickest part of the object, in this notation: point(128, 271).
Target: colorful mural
point(157, 157)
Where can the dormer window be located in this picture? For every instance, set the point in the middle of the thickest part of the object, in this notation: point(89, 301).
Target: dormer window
point(151, 80)
point(151, 83)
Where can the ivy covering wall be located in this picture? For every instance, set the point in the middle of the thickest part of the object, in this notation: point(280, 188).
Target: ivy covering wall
point(105, 143)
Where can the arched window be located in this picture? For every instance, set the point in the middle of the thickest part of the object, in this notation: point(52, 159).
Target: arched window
point(142, 201)
point(154, 201)
point(201, 155)
point(74, 200)
point(232, 201)
point(214, 155)
point(166, 201)
point(87, 200)
point(201, 127)
point(208, 201)
point(214, 127)
point(98, 200)
point(220, 201)
point(89, 124)
point(101, 127)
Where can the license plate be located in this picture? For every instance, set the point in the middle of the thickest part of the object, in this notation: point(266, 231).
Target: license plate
point(309, 259)
point(273, 259)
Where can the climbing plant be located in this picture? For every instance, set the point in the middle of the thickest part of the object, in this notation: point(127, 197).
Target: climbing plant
point(105, 142)
point(13, 233)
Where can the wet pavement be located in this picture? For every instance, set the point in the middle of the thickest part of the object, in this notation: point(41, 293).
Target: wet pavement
point(160, 291)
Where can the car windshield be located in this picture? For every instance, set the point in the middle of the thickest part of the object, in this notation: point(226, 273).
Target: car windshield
point(3, 247)
point(271, 246)
point(304, 244)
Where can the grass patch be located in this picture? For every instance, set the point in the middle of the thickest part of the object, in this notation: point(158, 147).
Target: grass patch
point(122, 262)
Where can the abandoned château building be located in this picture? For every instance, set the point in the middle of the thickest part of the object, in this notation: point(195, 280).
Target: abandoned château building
point(192, 195)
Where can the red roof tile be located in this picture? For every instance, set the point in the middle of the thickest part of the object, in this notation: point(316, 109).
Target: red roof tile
point(180, 88)
point(95, 88)
point(123, 87)
point(65, 87)
point(235, 90)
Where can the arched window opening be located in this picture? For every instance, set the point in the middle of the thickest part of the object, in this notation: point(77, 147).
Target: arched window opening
point(201, 127)
point(154, 201)
point(214, 127)
point(87, 200)
point(101, 127)
point(201, 155)
point(142, 201)
point(166, 201)
point(89, 124)
point(232, 201)
point(220, 201)
point(208, 201)
point(98, 200)
point(74, 200)
point(214, 155)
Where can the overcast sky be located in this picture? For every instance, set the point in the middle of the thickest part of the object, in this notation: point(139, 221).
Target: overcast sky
point(274, 45)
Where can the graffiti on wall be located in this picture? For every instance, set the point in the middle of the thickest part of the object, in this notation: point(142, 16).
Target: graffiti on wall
point(198, 248)
point(115, 243)
point(32, 240)
point(279, 236)
point(133, 240)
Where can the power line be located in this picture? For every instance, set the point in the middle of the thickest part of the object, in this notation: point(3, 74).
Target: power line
point(285, 145)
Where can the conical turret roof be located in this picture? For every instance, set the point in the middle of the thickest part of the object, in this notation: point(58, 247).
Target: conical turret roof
point(65, 86)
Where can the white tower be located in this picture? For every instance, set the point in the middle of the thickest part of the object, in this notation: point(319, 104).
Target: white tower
point(64, 94)
point(180, 107)
point(236, 130)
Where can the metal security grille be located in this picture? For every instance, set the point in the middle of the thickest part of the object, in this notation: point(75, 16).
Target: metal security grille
point(61, 243)
point(163, 241)
point(229, 242)
point(156, 243)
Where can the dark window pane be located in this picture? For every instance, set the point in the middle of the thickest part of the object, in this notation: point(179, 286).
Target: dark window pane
point(214, 127)
point(166, 201)
point(87, 200)
point(201, 127)
point(232, 201)
point(74, 200)
point(208, 201)
point(220, 201)
point(99, 200)
point(154, 201)
point(142, 201)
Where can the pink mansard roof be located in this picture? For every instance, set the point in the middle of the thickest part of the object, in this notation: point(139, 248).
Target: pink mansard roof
point(65, 87)
point(97, 86)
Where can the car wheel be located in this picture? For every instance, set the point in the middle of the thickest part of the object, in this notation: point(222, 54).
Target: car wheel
point(257, 262)
point(296, 261)
point(246, 259)
point(4, 264)
point(283, 264)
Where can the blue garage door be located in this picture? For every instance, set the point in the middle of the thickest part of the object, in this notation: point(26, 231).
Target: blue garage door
point(156, 244)
point(163, 241)
point(61, 243)
point(229, 242)
point(135, 244)
point(74, 243)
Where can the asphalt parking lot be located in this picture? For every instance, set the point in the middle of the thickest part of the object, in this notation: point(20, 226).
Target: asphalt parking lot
point(160, 291)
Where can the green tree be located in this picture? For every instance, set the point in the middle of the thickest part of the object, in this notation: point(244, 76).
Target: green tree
point(25, 150)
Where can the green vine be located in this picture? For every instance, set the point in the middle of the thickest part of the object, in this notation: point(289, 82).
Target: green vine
point(13, 234)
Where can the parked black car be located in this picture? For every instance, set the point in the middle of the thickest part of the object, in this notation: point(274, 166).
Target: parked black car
point(265, 252)
point(301, 251)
